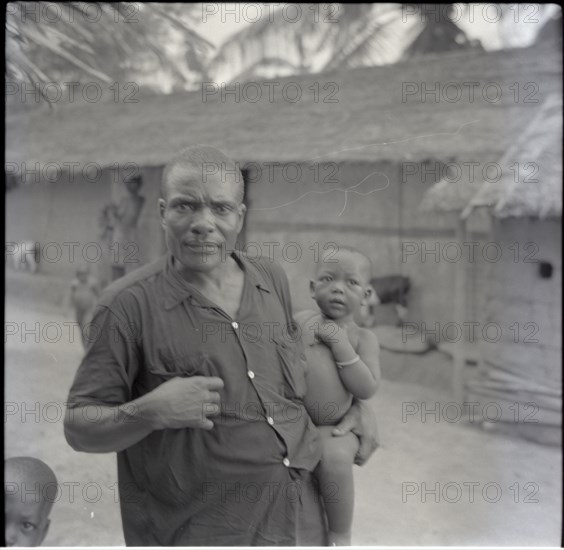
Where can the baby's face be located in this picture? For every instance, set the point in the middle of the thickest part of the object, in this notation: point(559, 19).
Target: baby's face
point(26, 523)
point(339, 287)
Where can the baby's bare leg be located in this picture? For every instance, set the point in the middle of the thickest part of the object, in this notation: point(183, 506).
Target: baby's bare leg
point(335, 474)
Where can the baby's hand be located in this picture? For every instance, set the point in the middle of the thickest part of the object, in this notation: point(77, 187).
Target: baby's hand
point(329, 332)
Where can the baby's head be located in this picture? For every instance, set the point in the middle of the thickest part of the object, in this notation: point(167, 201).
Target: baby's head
point(342, 282)
point(30, 488)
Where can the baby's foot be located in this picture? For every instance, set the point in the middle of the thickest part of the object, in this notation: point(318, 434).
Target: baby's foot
point(339, 539)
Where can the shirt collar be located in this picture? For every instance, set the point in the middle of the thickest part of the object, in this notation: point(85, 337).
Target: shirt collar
point(177, 289)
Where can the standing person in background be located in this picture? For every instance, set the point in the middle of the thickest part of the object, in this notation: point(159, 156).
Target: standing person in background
point(84, 293)
point(126, 248)
point(107, 222)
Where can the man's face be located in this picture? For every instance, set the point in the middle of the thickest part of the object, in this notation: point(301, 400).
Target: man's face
point(340, 286)
point(26, 522)
point(201, 218)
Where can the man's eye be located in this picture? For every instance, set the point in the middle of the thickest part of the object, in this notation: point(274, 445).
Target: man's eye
point(184, 206)
point(326, 278)
point(353, 282)
point(28, 526)
point(221, 209)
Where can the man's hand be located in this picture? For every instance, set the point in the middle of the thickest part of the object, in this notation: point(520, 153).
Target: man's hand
point(185, 403)
point(361, 421)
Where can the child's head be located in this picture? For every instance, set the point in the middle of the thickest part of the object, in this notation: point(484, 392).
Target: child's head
point(30, 487)
point(342, 282)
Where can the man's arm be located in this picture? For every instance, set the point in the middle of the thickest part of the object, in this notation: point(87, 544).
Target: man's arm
point(101, 416)
point(176, 404)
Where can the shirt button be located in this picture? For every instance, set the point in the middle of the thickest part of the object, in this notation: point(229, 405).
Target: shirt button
point(250, 374)
point(235, 324)
point(286, 462)
point(270, 420)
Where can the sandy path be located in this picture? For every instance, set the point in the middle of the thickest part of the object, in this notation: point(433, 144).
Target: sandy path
point(38, 375)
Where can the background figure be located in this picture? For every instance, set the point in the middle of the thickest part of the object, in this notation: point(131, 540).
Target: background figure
point(30, 488)
point(125, 249)
point(107, 222)
point(26, 257)
point(84, 293)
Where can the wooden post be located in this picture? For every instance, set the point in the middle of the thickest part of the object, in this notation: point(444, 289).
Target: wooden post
point(460, 282)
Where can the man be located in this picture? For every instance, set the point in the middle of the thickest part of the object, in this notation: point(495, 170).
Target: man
point(194, 378)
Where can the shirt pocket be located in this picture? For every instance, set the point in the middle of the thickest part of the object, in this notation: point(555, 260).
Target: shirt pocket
point(292, 363)
point(189, 364)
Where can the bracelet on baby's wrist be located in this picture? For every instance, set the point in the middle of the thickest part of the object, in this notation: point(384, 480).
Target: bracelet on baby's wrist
point(341, 364)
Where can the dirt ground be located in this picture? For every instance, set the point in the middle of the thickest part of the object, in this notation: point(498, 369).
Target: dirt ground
point(432, 481)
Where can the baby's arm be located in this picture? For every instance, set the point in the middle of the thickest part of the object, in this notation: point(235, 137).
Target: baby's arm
point(361, 376)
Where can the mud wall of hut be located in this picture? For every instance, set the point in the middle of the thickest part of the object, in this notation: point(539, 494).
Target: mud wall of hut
point(524, 299)
point(380, 215)
point(295, 211)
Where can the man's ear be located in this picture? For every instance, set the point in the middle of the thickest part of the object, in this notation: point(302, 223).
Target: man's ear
point(162, 207)
point(242, 209)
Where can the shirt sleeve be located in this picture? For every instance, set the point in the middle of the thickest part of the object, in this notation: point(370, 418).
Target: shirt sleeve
point(111, 363)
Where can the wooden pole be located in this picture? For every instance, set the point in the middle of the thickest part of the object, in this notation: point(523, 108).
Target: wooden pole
point(460, 314)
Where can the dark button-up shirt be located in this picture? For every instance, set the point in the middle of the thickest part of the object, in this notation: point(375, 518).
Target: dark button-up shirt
point(239, 483)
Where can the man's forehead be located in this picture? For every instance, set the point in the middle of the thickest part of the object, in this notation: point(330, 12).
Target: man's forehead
point(194, 179)
point(203, 173)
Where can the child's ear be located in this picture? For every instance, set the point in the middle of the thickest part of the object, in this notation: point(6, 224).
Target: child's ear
point(368, 293)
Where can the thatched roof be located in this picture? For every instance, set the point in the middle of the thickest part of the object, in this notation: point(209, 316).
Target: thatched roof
point(370, 120)
point(531, 174)
point(450, 195)
point(531, 182)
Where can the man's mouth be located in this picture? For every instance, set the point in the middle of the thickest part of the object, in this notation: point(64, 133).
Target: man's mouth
point(337, 302)
point(203, 247)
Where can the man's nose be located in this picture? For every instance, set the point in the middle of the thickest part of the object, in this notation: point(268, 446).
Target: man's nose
point(203, 222)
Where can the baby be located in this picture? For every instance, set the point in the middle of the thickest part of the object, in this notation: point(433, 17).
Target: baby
point(30, 488)
point(342, 363)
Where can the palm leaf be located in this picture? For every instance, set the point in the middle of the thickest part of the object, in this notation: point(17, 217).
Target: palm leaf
point(104, 50)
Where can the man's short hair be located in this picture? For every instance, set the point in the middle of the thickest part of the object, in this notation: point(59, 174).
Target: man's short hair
point(195, 158)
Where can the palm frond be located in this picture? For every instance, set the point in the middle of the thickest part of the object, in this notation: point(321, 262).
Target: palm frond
point(96, 42)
